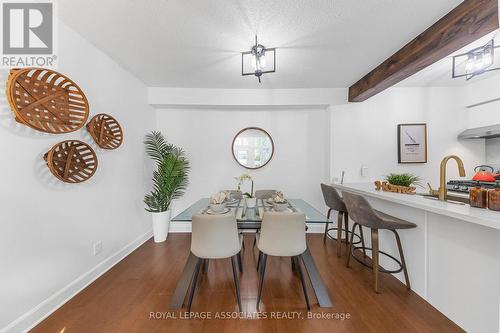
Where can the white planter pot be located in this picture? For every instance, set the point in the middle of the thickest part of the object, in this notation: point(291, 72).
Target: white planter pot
point(161, 224)
point(251, 202)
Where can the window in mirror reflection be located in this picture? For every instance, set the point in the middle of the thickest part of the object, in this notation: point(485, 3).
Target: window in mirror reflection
point(253, 148)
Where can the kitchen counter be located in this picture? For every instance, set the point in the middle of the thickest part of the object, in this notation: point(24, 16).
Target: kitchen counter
point(452, 255)
point(484, 217)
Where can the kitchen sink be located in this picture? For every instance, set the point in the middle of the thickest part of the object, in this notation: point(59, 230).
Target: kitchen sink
point(455, 199)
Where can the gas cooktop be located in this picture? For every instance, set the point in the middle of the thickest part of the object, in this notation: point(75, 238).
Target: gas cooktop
point(463, 186)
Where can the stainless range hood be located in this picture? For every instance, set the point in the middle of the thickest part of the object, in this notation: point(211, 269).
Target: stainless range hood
point(487, 132)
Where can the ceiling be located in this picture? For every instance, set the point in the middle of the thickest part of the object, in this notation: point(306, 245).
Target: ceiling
point(197, 43)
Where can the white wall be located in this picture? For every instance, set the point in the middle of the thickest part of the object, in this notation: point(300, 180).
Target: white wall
point(493, 152)
point(365, 134)
point(48, 228)
point(483, 109)
point(300, 161)
point(482, 99)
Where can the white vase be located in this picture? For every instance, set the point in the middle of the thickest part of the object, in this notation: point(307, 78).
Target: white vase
point(161, 223)
point(251, 202)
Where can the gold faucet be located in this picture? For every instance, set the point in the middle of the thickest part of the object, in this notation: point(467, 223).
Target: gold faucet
point(443, 192)
point(432, 191)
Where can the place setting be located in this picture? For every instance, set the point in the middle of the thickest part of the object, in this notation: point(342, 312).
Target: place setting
point(231, 199)
point(278, 203)
point(218, 204)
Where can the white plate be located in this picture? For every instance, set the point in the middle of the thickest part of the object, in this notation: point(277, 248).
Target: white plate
point(280, 203)
point(224, 211)
point(231, 201)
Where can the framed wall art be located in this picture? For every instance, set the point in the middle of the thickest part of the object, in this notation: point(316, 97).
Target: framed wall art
point(412, 143)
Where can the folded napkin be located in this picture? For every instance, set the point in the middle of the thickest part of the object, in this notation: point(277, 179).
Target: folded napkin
point(218, 198)
point(279, 197)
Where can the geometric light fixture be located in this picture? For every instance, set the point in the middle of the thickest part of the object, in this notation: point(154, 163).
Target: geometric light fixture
point(258, 60)
point(475, 62)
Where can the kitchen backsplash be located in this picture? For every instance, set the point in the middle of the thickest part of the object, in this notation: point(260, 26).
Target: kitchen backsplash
point(493, 151)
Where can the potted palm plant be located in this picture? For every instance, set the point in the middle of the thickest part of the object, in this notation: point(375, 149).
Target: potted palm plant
point(170, 180)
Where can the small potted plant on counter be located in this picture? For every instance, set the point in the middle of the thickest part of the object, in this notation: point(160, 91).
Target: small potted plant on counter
point(170, 180)
point(250, 200)
point(403, 179)
point(400, 183)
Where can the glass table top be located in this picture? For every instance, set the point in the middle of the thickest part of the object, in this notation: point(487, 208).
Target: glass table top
point(252, 217)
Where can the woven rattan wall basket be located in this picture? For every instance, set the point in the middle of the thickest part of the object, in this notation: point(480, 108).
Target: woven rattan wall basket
point(71, 161)
point(46, 101)
point(105, 131)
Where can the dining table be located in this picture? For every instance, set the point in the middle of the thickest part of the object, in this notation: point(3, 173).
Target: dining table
point(250, 218)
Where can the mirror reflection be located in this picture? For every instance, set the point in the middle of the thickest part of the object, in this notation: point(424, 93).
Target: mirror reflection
point(253, 148)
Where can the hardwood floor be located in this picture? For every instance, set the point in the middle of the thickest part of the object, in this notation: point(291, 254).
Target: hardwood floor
point(123, 299)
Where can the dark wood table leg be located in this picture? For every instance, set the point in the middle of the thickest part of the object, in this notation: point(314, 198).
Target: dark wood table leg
point(184, 282)
point(316, 281)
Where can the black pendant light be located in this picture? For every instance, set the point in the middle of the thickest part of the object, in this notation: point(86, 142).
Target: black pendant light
point(259, 60)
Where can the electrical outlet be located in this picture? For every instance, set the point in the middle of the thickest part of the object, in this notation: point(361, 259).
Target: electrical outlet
point(364, 171)
point(97, 248)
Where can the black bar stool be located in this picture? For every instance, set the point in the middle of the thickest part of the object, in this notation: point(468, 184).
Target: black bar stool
point(363, 214)
point(334, 202)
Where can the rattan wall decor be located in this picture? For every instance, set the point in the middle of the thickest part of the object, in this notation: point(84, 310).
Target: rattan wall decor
point(46, 100)
point(71, 161)
point(105, 131)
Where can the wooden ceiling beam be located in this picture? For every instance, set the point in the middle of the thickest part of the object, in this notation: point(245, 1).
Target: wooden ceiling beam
point(469, 21)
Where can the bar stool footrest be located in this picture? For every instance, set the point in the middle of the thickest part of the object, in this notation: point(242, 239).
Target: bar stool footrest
point(381, 269)
point(358, 241)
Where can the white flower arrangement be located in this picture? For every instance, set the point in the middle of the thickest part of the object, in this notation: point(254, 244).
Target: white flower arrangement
point(241, 179)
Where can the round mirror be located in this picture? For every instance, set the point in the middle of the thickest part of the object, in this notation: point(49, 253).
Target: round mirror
point(253, 148)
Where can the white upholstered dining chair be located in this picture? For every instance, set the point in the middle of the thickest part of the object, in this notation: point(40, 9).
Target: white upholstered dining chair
point(215, 237)
point(263, 195)
point(283, 235)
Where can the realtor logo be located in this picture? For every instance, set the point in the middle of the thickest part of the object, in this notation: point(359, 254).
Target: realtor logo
point(27, 29)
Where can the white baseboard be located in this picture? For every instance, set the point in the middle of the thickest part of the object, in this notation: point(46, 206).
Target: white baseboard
point(179, 227)
point(314, 228)
point(31, 318)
